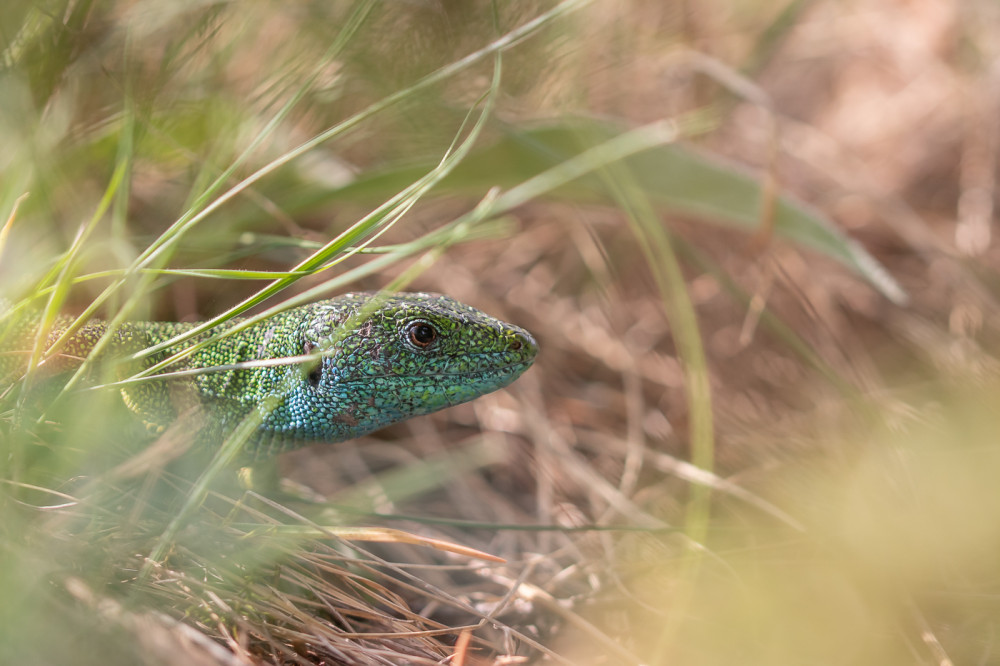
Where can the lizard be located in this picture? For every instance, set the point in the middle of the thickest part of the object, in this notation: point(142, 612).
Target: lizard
point(365, 361)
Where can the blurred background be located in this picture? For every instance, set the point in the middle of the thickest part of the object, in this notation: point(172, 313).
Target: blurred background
point(753, 239)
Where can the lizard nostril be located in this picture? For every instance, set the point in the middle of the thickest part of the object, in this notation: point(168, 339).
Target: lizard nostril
point(516, 345)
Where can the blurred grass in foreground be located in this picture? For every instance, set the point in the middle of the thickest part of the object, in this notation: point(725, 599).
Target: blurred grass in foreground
point(890, 559)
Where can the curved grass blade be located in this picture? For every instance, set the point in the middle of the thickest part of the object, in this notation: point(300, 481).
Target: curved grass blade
point(675, 178)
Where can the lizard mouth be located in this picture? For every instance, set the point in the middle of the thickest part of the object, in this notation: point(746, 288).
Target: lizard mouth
point(502, 376)
point(508, 369)
point(500, 369)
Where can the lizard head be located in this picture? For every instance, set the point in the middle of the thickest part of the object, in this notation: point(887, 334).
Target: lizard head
point(386, 358)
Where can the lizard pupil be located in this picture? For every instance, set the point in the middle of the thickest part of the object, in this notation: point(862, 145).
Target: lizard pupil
point(421, 334)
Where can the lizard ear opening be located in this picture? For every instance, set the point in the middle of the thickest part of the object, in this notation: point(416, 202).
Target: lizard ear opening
point(316, 374)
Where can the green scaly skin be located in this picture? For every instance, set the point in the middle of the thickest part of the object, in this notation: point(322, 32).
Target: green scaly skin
point(382, 361)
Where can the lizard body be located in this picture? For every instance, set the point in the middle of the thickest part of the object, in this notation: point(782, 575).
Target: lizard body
point(373, 361)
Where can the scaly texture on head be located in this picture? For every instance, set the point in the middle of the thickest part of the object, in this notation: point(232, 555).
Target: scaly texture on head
point(387, 360)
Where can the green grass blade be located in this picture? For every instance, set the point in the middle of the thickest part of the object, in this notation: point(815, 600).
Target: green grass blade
point(675, 178)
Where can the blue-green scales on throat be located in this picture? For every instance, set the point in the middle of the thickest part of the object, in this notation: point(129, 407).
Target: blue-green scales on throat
point(375, 362)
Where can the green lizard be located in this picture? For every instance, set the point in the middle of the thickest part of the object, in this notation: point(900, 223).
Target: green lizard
point(369, 363)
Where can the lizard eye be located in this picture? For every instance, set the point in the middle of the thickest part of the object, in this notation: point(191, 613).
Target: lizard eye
point(421, 334)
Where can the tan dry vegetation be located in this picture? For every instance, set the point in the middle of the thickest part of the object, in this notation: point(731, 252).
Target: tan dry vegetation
point(886, 116)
